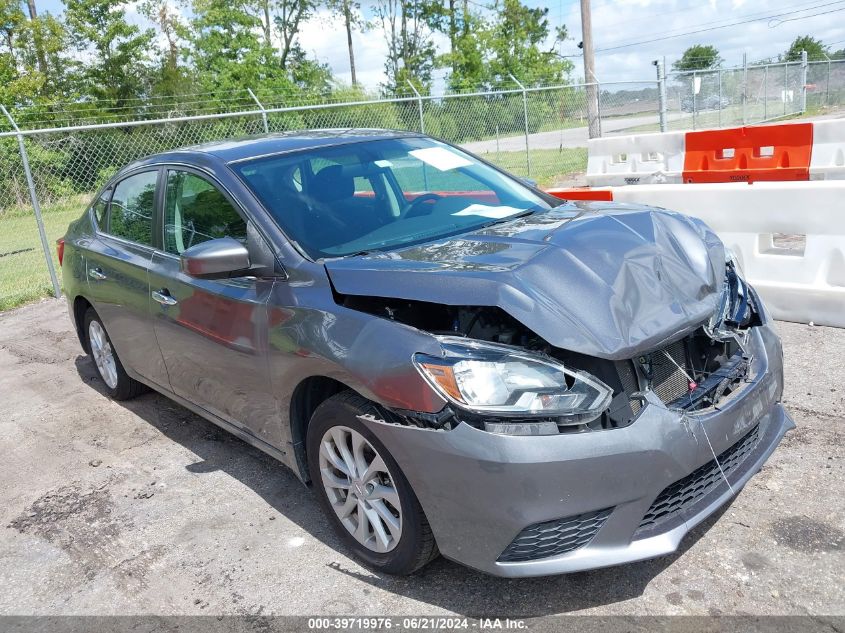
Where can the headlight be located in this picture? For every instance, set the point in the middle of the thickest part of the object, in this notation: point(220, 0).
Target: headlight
point(507, 381)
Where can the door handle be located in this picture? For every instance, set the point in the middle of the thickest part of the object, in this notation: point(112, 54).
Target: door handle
point(163, 297)
point(96, 273)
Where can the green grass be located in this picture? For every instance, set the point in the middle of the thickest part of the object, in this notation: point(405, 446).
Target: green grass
point(23, 271)
point(549, 167)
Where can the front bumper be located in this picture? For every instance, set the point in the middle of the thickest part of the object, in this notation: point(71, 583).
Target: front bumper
point(480, 490)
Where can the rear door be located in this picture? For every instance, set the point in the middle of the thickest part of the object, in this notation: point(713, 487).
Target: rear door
point(116, 266)
point(212, 333)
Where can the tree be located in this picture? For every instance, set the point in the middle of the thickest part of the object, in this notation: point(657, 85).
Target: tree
point(698, 57)
point(289, 15)
point(816, 51)
point(516, 40)
point(349, 11)
point(226, 51)
point(37, 37)
point(410, 49)
point(171, 77)
point(119, 67)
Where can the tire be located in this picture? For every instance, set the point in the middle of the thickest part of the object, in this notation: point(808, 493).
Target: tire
point(118, 384)
point(412, 546)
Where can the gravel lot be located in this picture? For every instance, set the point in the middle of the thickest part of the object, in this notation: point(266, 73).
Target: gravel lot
point(144, 508)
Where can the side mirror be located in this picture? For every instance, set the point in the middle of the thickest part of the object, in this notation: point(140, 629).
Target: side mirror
point(216, 259)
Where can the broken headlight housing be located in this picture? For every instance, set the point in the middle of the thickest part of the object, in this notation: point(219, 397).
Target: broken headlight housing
point(509, 382)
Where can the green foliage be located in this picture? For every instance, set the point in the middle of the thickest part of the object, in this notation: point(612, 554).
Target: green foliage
point(119, 69)
point(698, 57)
point(816, 50)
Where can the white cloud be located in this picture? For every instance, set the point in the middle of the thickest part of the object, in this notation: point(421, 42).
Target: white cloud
point(324, 37)
point(622, 21)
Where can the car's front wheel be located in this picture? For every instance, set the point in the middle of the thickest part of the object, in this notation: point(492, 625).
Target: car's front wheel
point(119, 385)
point(363, 493)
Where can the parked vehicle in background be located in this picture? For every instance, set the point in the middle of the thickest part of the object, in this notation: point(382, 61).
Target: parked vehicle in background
point(704, 102)
point(455, 361)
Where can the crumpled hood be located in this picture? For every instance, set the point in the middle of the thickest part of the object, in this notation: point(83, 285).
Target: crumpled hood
point(605, 279)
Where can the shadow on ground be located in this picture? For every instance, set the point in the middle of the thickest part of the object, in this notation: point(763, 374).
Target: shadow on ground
point(443, 583)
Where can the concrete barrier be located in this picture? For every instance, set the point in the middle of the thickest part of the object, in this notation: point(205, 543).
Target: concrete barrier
point(634, 160)
point(828, 160)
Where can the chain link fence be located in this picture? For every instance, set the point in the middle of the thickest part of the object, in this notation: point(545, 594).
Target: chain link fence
point(728, 97)
point(534, 132)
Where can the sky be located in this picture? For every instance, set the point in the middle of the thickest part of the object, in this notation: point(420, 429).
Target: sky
point(627, 34)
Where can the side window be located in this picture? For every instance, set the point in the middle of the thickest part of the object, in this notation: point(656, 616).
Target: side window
point(195, 211)
point(132, 207)
point(99, 207)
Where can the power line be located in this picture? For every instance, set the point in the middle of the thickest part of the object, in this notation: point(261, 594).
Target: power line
point(766, 12)
point(714, 28)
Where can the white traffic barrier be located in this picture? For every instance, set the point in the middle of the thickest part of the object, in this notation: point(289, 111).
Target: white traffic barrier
point(828, 157)
point(797, 284)
point(634, 160)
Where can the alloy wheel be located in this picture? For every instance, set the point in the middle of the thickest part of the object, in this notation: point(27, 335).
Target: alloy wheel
point(360, 489)
point(103, 355)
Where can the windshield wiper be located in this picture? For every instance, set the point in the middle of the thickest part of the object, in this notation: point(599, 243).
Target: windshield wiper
point(508, 218)
point(363, 253)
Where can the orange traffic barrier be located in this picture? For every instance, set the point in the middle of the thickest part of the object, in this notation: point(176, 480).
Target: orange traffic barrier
point(746, 154)
point(581, 193)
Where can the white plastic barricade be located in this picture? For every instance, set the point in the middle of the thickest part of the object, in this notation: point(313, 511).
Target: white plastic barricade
point(634, 160)
point(827, 161)
point(797, 284)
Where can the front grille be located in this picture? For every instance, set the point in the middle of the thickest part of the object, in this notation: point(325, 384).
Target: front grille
point(686, 492)
point(553, 538)
point(669, 381)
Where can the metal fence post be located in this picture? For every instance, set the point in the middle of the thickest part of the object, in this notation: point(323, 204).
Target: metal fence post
point(785, 84)
point(803, 82)
point(694, 101)
point(827, 91)
point(525, 117)
point(766, 92)
point(719, 73)
point(419, 105)
point(260, 107)
point(744, 87)
point(661, 92)
point(57, 290)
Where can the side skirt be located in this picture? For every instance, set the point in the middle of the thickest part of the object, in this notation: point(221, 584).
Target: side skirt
point(247, 437)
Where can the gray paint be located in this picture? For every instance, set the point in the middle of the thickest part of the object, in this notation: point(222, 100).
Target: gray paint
point(600, 279)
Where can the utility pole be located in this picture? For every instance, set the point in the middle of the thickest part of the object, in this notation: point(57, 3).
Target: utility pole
point(593, 119)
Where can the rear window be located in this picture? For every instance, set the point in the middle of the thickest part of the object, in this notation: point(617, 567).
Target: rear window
point(132, 208)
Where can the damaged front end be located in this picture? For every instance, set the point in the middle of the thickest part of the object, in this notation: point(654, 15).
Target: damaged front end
point(499, 376)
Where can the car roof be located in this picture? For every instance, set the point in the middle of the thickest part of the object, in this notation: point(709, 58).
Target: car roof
point(267, 144)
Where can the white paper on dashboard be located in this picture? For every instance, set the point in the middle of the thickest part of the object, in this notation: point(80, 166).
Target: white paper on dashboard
point(440, 158)
point(494, 213)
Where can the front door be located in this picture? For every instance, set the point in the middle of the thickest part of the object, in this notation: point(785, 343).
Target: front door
point(212, 333)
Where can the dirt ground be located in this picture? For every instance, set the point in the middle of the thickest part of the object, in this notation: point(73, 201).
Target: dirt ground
point(144, 508)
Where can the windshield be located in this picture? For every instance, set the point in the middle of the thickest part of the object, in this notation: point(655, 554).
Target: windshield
point(384, 194)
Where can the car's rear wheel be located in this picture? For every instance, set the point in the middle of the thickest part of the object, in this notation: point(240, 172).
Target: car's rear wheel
point(119, 385)
point(362, 490)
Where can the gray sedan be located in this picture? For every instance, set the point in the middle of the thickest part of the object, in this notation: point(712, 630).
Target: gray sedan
point(454, 361)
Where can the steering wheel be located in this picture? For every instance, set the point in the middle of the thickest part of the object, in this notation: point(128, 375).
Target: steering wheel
point(411, 211)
